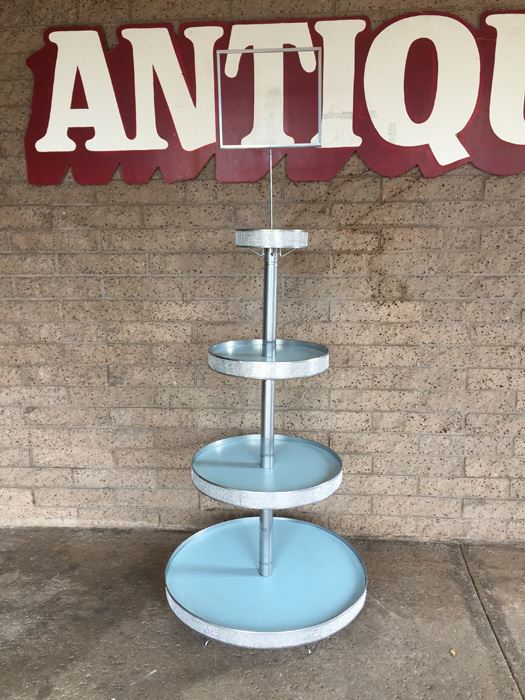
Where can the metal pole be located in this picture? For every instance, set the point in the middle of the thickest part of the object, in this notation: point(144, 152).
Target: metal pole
point(270, 158)
point(265, 542)
point(271, 258)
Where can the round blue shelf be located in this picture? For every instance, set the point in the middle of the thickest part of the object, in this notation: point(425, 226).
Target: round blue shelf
point(317, 587)
point(303, 472)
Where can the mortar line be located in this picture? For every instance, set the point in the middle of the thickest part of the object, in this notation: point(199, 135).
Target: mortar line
point(480, 599)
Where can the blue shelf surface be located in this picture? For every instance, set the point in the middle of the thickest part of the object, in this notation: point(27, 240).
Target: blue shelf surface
point(252, 350)
point(303, 472)
point(318, 583)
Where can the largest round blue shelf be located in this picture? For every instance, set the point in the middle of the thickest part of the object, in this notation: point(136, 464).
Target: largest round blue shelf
point(317, 586)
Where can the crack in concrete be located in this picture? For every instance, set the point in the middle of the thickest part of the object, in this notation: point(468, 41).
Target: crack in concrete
point(489, 621)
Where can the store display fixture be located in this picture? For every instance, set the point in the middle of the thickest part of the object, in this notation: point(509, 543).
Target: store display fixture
point(266, 581)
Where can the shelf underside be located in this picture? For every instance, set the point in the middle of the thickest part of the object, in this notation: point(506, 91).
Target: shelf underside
point(303, 472)
point(317, 587)
point(291, 359)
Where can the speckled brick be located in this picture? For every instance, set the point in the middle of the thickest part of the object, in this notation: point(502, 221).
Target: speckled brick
point(150, 375)
point(252, 9)
point(97, 216)
point(477, 262)
point(396, 312)
point(71, 456)
point(31, 354)
point(480, 356)
point(498, 334)
point(14, 457)
point(491, 424)
point(515, 530)
point(351, 238)
point(422, 465)
point(417, 506)
point(12, 38)
point(391, 485)
point(399, 422)
point(33, 395)
point(116, 516)
point(384, 334)
point(171, 499)
point(198, 264)
point(466, 445)
point(203, 216)
point(73, 497)
point(419, 527)
point(486, 508)
point(58, 288)
point(511, 187)
point(486, 467)
point(411, 238)
point(100, 11)
point(409, 188)
point(25, 217)
point(106, 353)
point(402, 213)
point(476, 488)
point(357, 189)
point(328, 420)
point(115, 478)
point(496, 379)
point(374, 356)
point(30, 477)
point(517, 487)
point(477, 311)
point(66, 193)
point(211, 191)
point(175, 10)
point(52, 12)
point(486, 530)
point(30, 515)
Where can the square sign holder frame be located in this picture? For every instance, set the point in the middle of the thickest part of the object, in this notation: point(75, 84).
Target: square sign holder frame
point(267, 582)
point(239, 146)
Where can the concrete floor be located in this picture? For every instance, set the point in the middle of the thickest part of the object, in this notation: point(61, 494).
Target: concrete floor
point(83, 615)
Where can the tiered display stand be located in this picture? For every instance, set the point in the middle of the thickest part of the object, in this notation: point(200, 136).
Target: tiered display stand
point(266, 582)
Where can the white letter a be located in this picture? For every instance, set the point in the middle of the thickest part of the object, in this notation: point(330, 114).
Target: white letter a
point(82, 51)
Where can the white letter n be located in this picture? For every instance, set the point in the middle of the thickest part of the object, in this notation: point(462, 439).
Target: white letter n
point(153, 52)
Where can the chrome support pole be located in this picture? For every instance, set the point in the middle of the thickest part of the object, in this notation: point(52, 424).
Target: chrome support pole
point(265, 542)
point(270, 158)
point(271, 259)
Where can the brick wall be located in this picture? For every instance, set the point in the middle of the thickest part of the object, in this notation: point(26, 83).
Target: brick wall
point(111, 294)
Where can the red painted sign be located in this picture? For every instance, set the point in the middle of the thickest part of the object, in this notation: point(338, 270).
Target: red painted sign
point(424, 90)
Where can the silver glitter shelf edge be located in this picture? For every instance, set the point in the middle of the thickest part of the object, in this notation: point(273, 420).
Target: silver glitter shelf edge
point(271, 238)
point(293, 359)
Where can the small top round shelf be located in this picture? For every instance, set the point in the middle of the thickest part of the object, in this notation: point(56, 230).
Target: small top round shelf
point(271, 238)
point(303, 472)
point(292, 359)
